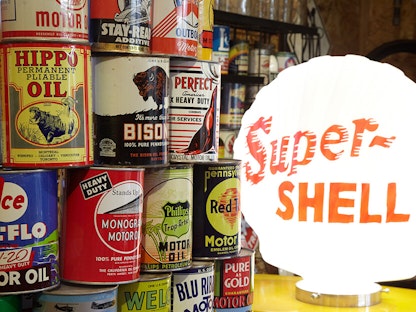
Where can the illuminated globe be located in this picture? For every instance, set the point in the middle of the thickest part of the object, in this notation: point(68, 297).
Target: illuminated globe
point(328, 173)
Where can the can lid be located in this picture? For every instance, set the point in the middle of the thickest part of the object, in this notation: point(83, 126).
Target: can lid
point(67, 289)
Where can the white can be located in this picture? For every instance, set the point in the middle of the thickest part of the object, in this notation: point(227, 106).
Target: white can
point(193, 289)
point(45, 20)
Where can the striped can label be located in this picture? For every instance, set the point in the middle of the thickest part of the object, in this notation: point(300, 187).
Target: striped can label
point(175, 30)
point(194, 114)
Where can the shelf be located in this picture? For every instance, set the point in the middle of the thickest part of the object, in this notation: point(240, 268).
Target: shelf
point(248, 80)
point(259, 24)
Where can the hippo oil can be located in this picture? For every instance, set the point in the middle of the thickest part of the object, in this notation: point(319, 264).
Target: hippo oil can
point(167, 218)
point(194, 114)
point(102, 225)
point(29, 240)
point(134, 131)
point(217, 214)
point(46, 105)
point(45, 20)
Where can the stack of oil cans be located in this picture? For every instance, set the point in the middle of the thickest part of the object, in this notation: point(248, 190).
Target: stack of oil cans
point(46, 123)
point(113, 195)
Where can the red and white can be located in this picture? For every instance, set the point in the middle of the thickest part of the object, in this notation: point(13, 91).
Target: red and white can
point(102, 225)
point(175, 30)
point(46, 105)
point(194, 114)
point(45, 20)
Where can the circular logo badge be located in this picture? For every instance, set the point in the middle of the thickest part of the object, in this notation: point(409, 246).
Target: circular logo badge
point(223, 207)
point(118, 217)
point(13, 201)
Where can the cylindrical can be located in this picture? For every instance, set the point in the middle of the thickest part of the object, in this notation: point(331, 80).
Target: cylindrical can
point(194, 114)
point(238, 57)
point(121, 26)
point(133, 131)
point(45, 20)
point(167, 218)
point(11, 303)
point(217, 214)
point(285, 60)
point(234, 283)
point(175, 30)
point(102, 224)
point(193, 288)
point(28, 231)
point(227, 138)
point(233, 96)
point(221, 47)
point(150, 294)
point(205, 29)
point(47, 106)
point(82, 298)
point(259, 62)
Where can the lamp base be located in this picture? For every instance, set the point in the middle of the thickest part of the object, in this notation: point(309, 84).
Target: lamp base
point(366, 298)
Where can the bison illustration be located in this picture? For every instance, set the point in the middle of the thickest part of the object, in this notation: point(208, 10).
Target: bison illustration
point(62, 125)
point(152, 83)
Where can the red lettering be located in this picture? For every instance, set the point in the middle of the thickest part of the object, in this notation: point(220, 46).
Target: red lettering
point(327, 139)
point(257, 150)
point(316, 202)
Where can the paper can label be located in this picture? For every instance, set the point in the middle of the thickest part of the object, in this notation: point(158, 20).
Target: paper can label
point(28, 231)
point(47, 103)
point(102, 225)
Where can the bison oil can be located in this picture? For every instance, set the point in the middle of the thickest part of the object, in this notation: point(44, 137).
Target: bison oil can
point(130, 109)
point(73, 297)
point(175, 28)
point(193, 288)
point(234, 282)
point(28, 231)
point(167, 218)
point(194, 114)
point(151, 293)
point(102, 225)
point(45, 20)
point(217, 214)
point(121, 26)
point(46, 105)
